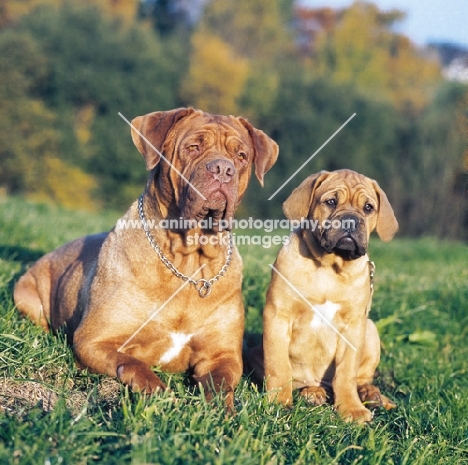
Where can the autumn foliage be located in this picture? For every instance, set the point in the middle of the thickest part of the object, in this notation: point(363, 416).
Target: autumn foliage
point(68, 68)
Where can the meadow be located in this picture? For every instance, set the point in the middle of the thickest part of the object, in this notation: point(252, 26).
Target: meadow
point(52, 413)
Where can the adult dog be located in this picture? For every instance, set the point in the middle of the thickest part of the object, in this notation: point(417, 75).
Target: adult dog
point(317, 335)
point(140, 297)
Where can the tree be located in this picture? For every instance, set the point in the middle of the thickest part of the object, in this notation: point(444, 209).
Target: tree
point(433, 181)
point(216, 77)
point(256, 31)
point(95, 67)
point(306, 113)
point(29, 140)
point(361, 48)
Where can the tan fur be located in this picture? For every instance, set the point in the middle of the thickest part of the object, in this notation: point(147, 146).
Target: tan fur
point(301, 351)
point(103, 288)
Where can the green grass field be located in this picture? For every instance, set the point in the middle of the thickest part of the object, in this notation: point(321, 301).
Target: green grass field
point(51, 413)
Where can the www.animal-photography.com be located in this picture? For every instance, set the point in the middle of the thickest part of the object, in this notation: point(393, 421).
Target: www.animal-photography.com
point(233, 232)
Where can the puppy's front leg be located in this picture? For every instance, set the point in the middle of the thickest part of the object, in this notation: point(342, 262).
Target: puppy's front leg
point(276, 341)
point(347, 400)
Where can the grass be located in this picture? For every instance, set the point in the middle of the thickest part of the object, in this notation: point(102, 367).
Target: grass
point(50, 412)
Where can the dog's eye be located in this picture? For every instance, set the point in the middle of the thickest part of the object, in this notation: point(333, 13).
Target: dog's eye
point(193, 149)
point(242, 156)
point(330, 202)
point(368, 208)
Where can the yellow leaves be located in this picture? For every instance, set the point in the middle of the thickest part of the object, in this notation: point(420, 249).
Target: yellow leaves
point(216, 76)
point(125, 10)
point(65, 185)
point(30, 164)
point(83, 121)
point(361, 49)
point(412, 78)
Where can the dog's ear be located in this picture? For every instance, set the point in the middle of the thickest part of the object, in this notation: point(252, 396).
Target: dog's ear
point(387, 224)
point(266, 150)
point(297, 205)
point(150, 131)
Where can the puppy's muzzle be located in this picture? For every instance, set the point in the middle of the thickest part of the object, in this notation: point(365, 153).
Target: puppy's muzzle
point(348, 239)
point(349, 223)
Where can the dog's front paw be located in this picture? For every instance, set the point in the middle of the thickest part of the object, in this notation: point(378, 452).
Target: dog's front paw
point(371, 396)
point(315, 395)
point(140, 378)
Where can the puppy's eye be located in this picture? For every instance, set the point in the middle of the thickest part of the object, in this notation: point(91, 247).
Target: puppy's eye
point(330, 202)
point(242, 156)
point(368, 208)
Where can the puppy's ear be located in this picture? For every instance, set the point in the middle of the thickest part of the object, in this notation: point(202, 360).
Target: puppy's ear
point(387, 224)
point(297, 205)
point(150, 131)
point(266, 150)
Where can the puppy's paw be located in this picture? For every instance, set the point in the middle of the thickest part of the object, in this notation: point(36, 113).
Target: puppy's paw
point(371, 396)
point(282, 396)
point(140, 378)
point(358, 414)
point(315, 395)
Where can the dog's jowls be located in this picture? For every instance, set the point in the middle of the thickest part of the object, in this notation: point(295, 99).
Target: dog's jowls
point(317, 335)
point(123, 308)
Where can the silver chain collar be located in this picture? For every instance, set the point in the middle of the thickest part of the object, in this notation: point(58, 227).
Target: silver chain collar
point(203, 286)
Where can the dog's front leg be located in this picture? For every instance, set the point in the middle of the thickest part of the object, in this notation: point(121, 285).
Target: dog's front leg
point(220, 375)
point(276, 341)
point(104, 357)
point(344, 383)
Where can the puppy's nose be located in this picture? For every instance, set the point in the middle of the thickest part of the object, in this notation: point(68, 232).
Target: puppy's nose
point(222, 170)
point(349, 223)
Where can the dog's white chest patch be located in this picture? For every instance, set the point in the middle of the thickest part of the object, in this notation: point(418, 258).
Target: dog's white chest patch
point(323, 314)
point(179, 340)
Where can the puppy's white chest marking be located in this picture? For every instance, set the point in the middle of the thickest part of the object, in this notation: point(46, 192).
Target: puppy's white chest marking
point(323, 314)
point(179, 340)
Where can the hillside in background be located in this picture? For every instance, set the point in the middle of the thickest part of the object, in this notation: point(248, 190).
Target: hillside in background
point(67, 69)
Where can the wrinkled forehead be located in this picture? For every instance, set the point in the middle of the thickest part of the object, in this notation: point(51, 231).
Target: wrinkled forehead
point(347, 187)
point(211, 129)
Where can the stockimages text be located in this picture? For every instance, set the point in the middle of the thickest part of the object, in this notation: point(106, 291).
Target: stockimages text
point(250, 224)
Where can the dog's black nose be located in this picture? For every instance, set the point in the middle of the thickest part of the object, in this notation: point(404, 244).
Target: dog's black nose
point(222, 170)
point(349, 223)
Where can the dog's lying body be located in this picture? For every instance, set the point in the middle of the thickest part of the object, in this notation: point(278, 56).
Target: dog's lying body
point(317, 335)
point(123, 308)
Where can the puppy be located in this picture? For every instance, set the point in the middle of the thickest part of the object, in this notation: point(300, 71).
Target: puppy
point(317, 335)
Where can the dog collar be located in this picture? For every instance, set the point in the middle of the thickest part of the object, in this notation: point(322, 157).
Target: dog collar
point(371, 273)
point(203, 286)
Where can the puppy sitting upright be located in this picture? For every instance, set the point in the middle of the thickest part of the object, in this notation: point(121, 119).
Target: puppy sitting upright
point(317, 336)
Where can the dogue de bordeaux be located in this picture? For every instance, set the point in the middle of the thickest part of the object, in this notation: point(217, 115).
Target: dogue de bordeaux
point(317, 335)
point(134, 298)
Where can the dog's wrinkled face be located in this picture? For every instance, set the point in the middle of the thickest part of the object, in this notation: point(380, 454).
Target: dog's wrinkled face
point(209, 160)
point(345, 208)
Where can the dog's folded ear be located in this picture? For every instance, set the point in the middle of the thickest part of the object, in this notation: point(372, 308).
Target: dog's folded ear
point(297, 205)
point(387, 224)
point(150, 131)
point(266, 150)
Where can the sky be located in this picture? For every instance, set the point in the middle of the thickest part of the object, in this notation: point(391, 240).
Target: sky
point(426, 20)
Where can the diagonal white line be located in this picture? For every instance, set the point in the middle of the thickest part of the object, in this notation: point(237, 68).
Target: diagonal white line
point(158, 310)
point(162, 156)
point(317, 151)
point(313, 308)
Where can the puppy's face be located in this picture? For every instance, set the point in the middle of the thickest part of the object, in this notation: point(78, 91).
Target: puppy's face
point(208, 160)
point(344, 207)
